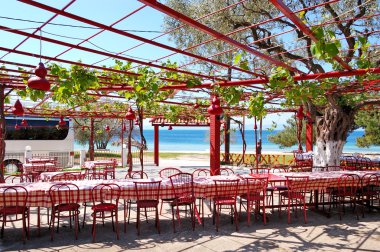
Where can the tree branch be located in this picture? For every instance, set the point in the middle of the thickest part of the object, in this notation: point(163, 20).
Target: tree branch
point(362, 104)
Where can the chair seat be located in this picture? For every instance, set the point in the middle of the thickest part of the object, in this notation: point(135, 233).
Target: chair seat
point(147, 203)
point(277, 188)
point(67, 207)
point(13, 210)
point(104, 207)
point(252, 196)
point(224, 200)
point(183, 201)
point(293, 195)
point(342, 193)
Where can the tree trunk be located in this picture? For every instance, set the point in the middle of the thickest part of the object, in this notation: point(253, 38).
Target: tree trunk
point(332, 130)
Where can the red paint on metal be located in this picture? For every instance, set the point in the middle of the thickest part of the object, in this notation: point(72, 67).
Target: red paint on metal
point(214, 145)
point(156, 146)
point(304, 28)
point(309, 132)
point(179, 16)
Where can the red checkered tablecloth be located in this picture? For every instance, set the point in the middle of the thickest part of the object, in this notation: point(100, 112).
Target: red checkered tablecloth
point(38, 193)
point(92, 164)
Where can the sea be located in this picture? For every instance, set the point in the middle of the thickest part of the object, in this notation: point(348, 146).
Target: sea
point(178, 140)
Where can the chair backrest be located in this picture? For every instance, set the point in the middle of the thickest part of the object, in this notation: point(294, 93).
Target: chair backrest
point(183, 186)
point(16, 179)
point(226, 171)
point(201, 172)
point(167, 172)
point(74, 176)
point(147, 190)
point(226, 188)
point(297, 184)
point(13, 196)
point(260, 170)
point(348, 184)
point(370, 180)
point(105, 193)
point(137, 175)
point(58, 177)
point(256, 186)
point(63, 193)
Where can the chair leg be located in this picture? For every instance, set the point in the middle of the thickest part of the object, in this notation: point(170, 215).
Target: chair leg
point(117, 225)
point(84, 215)
point(158, 221)
point(173, 221)
point(94, 227)
point(52, 221)
point(138, 221)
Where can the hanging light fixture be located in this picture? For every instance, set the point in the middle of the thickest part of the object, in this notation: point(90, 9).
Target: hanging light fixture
point(17, 109)
point(39, 81)
point(137, 121)
point(61, 122)
point(17, 127)
point(107, 128)
point(170, 127)
point(215, 108)
point(24, 123)
point(130, 115)
point(196, 105)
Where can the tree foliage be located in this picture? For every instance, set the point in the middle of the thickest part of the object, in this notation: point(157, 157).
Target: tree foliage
point(370, 121)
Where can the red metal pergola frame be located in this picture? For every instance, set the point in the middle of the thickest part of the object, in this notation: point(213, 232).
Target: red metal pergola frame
point(255, 82)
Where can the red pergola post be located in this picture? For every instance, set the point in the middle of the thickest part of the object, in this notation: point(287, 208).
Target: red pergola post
point(156, 145)
point(215, 145)
point(309, 133)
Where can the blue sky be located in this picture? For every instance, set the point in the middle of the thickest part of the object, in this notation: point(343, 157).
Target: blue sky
point(106, 12)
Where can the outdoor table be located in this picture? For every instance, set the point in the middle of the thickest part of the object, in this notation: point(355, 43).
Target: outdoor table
point(38, 167)
point(93, 164)
point(47, 176)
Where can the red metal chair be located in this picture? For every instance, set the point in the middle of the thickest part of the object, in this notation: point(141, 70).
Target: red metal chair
point(105, 200)
point(147, 194)
point(201, 172)
point(14, 199)
point(64, 199)
point(166, 173)
point(58, 177)
point(226, 171)
point(136, 175)
point(128, 204)
point(255, 197)
point(183, 190)
point(97, 172)
point(369, 190)
point(109, 170)
point(225, 195)
point(296, 194)
point(17, 179)
point(345, 192)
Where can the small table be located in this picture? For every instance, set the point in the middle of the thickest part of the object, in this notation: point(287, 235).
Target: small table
point(47, 176)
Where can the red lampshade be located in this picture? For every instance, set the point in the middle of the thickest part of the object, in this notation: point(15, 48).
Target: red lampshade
point(62, 122)
point(17, 127)
point(170, 127)
point(107, 128)
point(17, 109)
point(300, 114)
point(215, 108)
point(24, 123)
point(130, 115)
point(136, 122)
point(196, 105)
point(39, 82)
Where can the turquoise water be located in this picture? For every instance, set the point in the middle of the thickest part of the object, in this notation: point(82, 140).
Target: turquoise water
point(198, 140)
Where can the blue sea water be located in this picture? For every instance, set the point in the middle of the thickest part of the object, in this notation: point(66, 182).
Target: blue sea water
point(198, 140)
